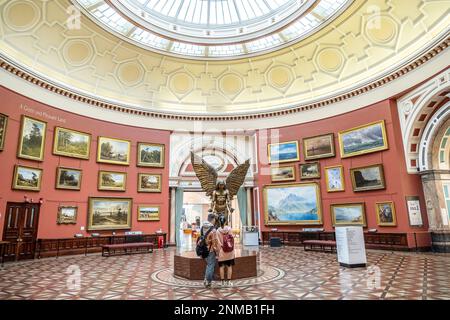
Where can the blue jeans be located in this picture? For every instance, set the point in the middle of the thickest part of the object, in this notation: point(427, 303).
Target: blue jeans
point(210, 266)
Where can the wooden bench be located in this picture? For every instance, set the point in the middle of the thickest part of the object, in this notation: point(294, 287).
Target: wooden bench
point(127, 248)
point(320, 245)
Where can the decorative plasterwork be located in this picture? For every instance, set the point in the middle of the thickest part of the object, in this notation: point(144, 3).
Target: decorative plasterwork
point(419, 112)
point(345, 59)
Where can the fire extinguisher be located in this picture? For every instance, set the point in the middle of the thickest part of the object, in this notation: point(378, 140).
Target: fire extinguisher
point(160, 242)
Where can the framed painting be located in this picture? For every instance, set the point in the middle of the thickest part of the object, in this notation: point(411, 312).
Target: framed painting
point(149, 213)
point(283, 152)
point(148, 182)
point(67, 215)
point(348, 214)
point(67, 178)
point(319, 147)
point(334, 178)
point(310, 170)
point(368, 178)
point(363, 139)
point(113, 151)
point(3, 126)
point(112, 181)
point(109, 213)
point(281, 174)
point(150, 155)
point(32, 139)
point(71, 143)
point(386, 214)
point(27, 178)
point(292, 204)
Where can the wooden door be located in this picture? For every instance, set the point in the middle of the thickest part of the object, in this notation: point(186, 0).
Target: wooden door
point(20, 230)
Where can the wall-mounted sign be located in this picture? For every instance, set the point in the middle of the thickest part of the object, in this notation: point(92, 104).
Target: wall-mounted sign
point(414, 212)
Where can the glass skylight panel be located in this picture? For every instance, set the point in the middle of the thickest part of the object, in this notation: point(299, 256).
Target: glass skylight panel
point(226, 50)
point(187, 48)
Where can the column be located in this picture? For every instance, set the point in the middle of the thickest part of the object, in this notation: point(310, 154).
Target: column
point(173, 228)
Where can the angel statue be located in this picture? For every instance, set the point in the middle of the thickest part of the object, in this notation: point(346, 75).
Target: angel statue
point(220, 192)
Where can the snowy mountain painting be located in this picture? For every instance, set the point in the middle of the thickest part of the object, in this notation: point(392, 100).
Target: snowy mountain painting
point(293, 204)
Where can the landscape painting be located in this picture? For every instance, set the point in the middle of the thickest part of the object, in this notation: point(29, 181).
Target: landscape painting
point(279, 174)
point(150, 155)
point(32, 139)
point(109, 213)
point(3, 125)
point(113, 151)
point(67, 178)
point(148, 213)
point(348, 214)
point(283, 152)
point(149, 182)
point(334, 177)
point(67, 215)
point(310, 170)
point(368, 178)
point(26, 178)
point(364, 139)
point(319, 147)
point(71, 143)
point(386, 214)
point(295, 204)
point(112, 181)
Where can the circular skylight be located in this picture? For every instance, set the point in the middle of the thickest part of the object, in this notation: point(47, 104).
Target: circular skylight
point(213, 28)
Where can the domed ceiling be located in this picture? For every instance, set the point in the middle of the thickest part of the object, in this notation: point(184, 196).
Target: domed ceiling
point(215, 58)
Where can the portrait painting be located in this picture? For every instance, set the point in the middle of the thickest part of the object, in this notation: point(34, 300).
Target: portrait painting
point(109, 213)
point(386, 214)
point(113, 151)
point(310, 170)
point(334, 177)
point(292, 204)
point(368, 178)
point(32, 139)
point(3, 126)
point(364, 139)
point(71, 143)
point(112, 181)
point(67, 178)
point(148, 213)
point(27, 178)
point(150, 155)
point(283, 152)
point(149, 182)
point(285, 173)
point(319, 147)
point(67, 215)
point(348, 214)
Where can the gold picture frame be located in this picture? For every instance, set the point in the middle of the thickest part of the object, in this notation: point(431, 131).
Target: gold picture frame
point(338, 186)
point(372, 144)
point(3, 127)
point(117, 148)
point(109, 213)
point(146, 186)
point(319, 144)
point(360, 183)
point(276, 196)
point(306, 174)
point(67, 215)
point(27, 179)
point(283, 174)
point(61, 148)
point(69, 181)
point(383, 218)
point(145, 160)
point(108, 180)
point(146, 214)
point(26, 149)
point(289, 158)
point(348, 217)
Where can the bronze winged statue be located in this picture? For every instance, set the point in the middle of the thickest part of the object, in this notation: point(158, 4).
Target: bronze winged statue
point(220, 192)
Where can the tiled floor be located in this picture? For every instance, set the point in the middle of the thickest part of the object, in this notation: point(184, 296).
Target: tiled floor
point(285, 273)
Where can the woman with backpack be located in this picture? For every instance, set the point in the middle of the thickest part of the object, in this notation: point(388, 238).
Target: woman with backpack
point(226, 252)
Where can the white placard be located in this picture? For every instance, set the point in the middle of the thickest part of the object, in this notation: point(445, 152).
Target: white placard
point(444, 215)
point(414, 213)
point(351, 248)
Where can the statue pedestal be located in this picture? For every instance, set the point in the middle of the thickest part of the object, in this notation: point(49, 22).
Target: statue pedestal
point(188, 265)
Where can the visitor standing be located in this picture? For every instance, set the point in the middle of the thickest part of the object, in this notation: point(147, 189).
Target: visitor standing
point(207, 246)
point(225, 240)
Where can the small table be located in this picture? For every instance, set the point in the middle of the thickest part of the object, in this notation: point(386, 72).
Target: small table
point(2, 251)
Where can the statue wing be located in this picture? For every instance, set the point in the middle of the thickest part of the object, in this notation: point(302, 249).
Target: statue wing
point(236, 178)
point(205, 173)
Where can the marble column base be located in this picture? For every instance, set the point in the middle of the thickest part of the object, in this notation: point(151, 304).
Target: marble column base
point(440, 241)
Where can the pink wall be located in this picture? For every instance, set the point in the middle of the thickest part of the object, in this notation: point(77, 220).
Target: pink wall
point(398, 182)
point(53, 198)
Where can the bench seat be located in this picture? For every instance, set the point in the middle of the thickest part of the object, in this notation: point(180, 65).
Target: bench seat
point(127, 248)
point(320, 245)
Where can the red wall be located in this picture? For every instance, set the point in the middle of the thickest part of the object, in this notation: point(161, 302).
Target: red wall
point(11, 103)
point(399, 183)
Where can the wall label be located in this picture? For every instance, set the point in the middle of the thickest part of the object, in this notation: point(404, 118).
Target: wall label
point(42, 114)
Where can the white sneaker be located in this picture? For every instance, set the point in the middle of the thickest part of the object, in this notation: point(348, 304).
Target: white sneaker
point(229, 284)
